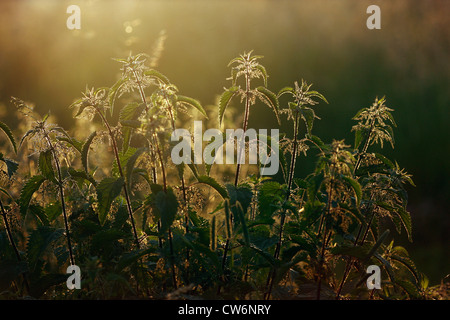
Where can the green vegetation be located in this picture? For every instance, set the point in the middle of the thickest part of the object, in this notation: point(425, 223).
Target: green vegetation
point(142, 227)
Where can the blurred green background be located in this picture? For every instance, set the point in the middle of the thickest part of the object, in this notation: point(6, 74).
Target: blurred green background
point(325, 42)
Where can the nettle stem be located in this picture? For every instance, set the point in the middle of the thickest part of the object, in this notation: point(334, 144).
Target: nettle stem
point(245, 124)
point(61, 193)
point(350, 261)
point(183, 190)
point(325, 231)
point(119, 166)
point(272, 274)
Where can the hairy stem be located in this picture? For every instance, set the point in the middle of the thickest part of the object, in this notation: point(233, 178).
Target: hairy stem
point(272, 274)
point(61, 193)
point(245, 124)
point(119, 166)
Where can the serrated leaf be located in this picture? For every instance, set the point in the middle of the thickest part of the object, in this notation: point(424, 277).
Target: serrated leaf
point(165, 206)
point(152, 73)
point(285, 90)
point(409, 264)
point(269, 196)
point(53, 210)
point(9, 134)
point(410, 289)
point(38, 212)
point(131, 111)
point(72, 141)
point(45, 164)
point(193, 103)
point(355, 186)
point(11, 165)
point(28, 133)
point(225, 100)
point(240, 215)
point(85, 150)
point(241, 194)
point(81, 174)
point(405, 218)
point(29, 188)
point(131, 163)
point(263, 70)
point(385, 160)
point(308, 117)
point(214, 184)
point(113, 91)
point(39, 240)
point(107, 190)
point(270, 99)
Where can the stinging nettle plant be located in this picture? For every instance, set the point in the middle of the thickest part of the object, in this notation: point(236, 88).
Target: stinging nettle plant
point(144, 227)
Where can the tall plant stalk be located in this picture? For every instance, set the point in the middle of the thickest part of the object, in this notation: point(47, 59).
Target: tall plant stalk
point(119, 166)
point(61, 194)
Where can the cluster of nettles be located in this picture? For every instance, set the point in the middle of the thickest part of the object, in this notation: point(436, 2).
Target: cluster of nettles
point(146, 228)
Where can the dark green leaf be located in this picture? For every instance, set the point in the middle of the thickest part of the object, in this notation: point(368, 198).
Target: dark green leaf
point(131, 163)
point(107, 190)
point(152, 73)
point(45, 164)
point(113, 91)
point(30, 187)
point(85, 150)
point(9, 134)
point(214, 184)
point(225, 99)
point(192, 102)
point(270, 99)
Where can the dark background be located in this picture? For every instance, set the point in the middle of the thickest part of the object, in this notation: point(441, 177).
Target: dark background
point(324, 42)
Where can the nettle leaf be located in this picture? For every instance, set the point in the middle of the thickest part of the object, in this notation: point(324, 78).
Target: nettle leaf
point(131, 163)
point(164, 205)
point(405, 218)
point(9, 134)
point(29, 188)
point(45, 164)
point(113, 92)
point(193, 103)
point(225, 100)
point(131, 111)
point(80, 175)
point(355, 186)
point(269, 197)
point(270, 99)
point(410, 288)
point(308, 117)
point(53, 210)
point(72, 141)
point(38, 212)
point(107, 190)
point(285, 90)
point(38, 242)
point(29, 133)
point(123, 158)
point(11, 165)
point(214, 184)
point(85, 150)
point(241, 194)
point(152, 73)
point(263, 70)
